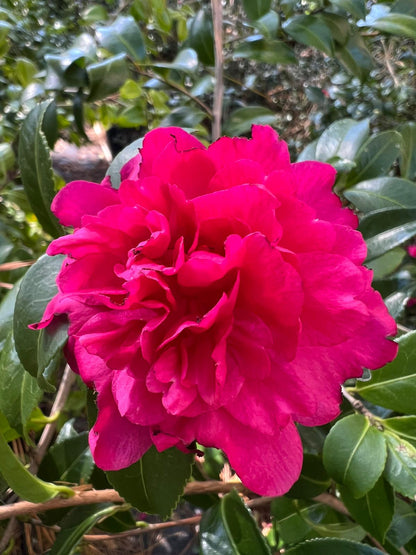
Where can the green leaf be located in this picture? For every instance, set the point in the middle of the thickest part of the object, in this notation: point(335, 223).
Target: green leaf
point(396, 233)
point(310, 30)
point(68, 460)
point(309, 152)
point(403, 426)
point(394, 385)
point(201, 37)
point(374, 511)
point(354, 7)
point(155, 483)
point(329, 546)
point(338, 25)
point(107, 77)
point(382, 192)
point(313, 479)
point(397, 24)
point(51, 342)
point(94, 14)
point(266, 51)
point(376, 156)
point(185, 60)
point(8, 432)
point(36, 290)
point(241, 120)
point(354, 454)
point(78, 522)
point(256, 8)
point(342, 140)
point(36, 169)
point(121, 159)
point(400, 468)
point(407, 158)
point(229, 528)
point(355, 56)
point(387, 263)
point(123, 37)
point(288, 520)
point(403, 527)
point(6, 312)
point(183, 116)
point(19, 393)
point(268, 24)
point(23, 482)
point(25, 71)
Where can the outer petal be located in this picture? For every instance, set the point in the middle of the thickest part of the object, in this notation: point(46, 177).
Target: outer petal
point(268, 465)
point(115, 442)
point(79, 198)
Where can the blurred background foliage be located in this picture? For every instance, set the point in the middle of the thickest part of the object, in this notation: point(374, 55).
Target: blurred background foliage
point(337, 79)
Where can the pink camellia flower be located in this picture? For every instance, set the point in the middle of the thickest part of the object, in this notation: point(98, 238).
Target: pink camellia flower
point(219, 296)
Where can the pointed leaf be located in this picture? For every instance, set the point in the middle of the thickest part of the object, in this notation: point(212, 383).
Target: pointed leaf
point(155, 483)
point(342, 140)
point(407, 159)
point(403, 527)
point(19, 393)
point(36, 290)
point(228, 527)
point(354, 7)
point(310, 30)
point(123, 37)
point(331, 546)
point(374, 511)
point(22, 482)
point(400, 468)
point(256, 8)
point(403, 426)
point(122, 158)
point(354, 454)
point(355, 56)
point(107, 77)
point(394, 385)
point(36, 169)
point(78, 522)
point(382, 192)
point(376, 156)
point(397, 24)
point(201, 37)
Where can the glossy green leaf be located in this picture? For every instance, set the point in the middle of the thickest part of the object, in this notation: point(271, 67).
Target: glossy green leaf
point(403, 426)
point(155, 483)
point(403, 527)
point(19, 393)
point(22, 482)
point(310, 30)
point(309, 152)
point(201, 37)
point(397, 24)
point(183, 116)
point(394, 385)
point(68, 460)
point(329, 546)
point(36, 290)
point(94, 14)
point(354, 7)
point(185, 60)
point(400, 468)
point(122, 158)
point(338, 25)
point(374, 511)
point(229, 528)
point(355, 454)
point(382, 192)
point(123, 36)
point(268, 24)
point(396, 301)
point(25, 71)
point(242, 119)
point(256, 8)
point(9, 433)
point(342, 140)
point(51, 342)
point(36, 169)
point(107, 77)
point(78, 112)
point(313, 479)
point(78, 522)
point(387, 263)
point(376, 156)
point(6, 313)
point(265, 51)
point(407, 158)
point(355, 56)
point(288, 520)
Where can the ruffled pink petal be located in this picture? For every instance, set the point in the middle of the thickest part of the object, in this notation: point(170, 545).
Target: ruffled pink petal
point(79, 198)
point(115, 442)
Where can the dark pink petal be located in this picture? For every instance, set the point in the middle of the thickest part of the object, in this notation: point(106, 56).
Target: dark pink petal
point(79, 198)
point(115, 442)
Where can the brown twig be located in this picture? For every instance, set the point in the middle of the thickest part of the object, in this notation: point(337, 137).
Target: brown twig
point(68, 379)
point(15, 265)
point(216, 6)
point(358, 406)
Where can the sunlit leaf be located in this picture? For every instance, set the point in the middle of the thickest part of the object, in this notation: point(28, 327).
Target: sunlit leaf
point(400, 468)
point(123, 36)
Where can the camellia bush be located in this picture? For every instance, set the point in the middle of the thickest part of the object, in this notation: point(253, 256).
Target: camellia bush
point(218, 338)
